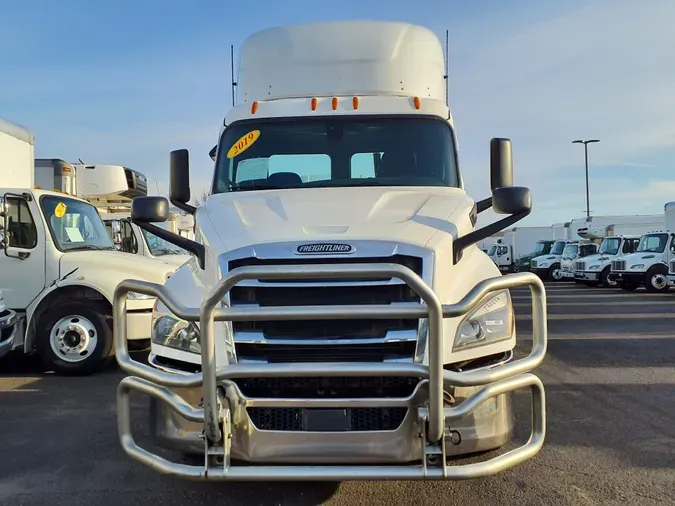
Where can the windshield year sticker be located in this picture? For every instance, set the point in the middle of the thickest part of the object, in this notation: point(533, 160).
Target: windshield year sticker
point(244, 142)
point(60, 210)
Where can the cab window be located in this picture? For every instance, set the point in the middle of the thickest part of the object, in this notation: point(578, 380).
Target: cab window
point(21, 227)
point(129, 243)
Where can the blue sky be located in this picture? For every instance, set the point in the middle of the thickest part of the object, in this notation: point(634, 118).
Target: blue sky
point(126, 82)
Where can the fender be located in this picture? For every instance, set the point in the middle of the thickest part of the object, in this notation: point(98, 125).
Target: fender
point(94, 275)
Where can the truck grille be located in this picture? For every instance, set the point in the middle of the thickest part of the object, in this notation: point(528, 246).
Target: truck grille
point(356, 419)
point(312, 293)
point(618, 265)
point(579, 266)
point(533, 263)
point(672, 266)
point(378, 352)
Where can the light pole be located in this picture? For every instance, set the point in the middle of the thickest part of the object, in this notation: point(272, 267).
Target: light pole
point(586, 143)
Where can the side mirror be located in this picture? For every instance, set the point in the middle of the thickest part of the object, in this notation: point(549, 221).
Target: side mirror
point(212, 153)
point(501, 169)
point(511, 200)
point(149, 210)
point(514, 201)
point(179, 180)
point(501, 163)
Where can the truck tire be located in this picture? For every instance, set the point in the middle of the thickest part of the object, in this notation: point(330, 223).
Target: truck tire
point(554, 273)
point(75, 338)
point(604, 278)
point(656, 279)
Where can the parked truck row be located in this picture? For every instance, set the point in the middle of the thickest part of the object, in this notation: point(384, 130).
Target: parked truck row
point(609, 251)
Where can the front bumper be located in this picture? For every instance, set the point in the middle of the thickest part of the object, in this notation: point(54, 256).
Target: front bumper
point(586, 275)
point(542, 272)
point(8, 326)
point(207, 412)
point(627, 277)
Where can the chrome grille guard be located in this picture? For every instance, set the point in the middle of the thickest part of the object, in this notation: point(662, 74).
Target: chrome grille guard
point(216, 415)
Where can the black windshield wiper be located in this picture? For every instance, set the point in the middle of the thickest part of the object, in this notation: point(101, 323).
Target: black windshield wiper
point(90, 247)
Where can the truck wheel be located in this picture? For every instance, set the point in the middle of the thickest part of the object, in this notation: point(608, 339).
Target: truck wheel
point(629, 286)
point(604, 278)
point(656, 280)
point(75, 338)
point(555, 273)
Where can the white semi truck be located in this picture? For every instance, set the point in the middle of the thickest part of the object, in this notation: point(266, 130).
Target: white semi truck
point(516, 244)
point(648, 266)
point(59, 269)
point(350, 328)
point(617, 240)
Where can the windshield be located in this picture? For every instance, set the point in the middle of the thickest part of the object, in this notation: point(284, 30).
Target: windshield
point(336, 151)
point(570, 251)
point(653, 243)
point(75, 225)
point(492, 250)
point(610, 246)
point(558, 248)
point(539, 248)
point(159, 246)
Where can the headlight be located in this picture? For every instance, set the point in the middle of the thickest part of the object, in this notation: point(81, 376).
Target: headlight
point(167, 330)
point(544, 264)
point(637, 267)
point(594, 267)
point(139, 296)
point(492, 321)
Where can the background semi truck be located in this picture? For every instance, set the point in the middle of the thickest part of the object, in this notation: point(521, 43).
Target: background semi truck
point(350, 326)
point(648, 266)
point(59, 269)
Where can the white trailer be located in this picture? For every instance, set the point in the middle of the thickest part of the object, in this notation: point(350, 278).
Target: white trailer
point(17, 152)
point(58, 273)
point(648, 266)
point(516, 244)
point(335, 185)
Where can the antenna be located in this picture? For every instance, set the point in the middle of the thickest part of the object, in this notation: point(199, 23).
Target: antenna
point(232, 71)
point(447, 71)
point(80, 160)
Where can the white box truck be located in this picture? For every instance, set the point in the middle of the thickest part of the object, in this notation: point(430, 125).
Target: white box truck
point(59, 269)
point(648, 266)
point(110, 188)
point(350, 328)
point(617, 241)
point(518, 244)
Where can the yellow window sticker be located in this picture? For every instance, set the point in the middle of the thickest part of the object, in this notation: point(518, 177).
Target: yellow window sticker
point(60, 210)
point(245, 142)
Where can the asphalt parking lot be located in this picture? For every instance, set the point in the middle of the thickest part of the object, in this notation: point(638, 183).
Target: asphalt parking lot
point(610, 383)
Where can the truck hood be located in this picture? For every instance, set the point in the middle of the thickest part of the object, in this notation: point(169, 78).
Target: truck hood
point(641, 258)
point(174, 260)
point(412, 215)
point(114, 266)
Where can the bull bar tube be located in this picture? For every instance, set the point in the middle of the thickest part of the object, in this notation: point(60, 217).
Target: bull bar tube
point(216, 411)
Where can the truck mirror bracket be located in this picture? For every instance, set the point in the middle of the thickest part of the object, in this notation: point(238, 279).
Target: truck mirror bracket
point(193, 247)
point(461, 243)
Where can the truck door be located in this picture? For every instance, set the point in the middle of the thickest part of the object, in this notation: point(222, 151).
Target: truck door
point(22, 259)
